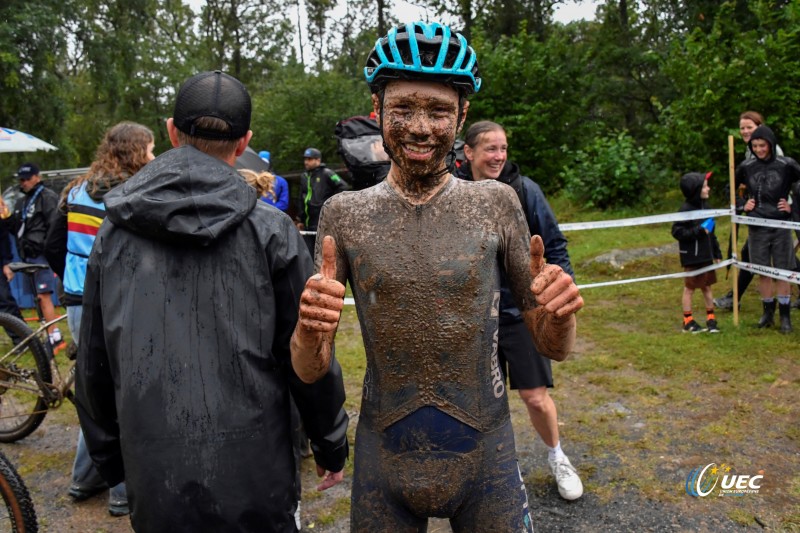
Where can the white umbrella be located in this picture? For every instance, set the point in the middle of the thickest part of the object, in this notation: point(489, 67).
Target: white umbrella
point(19, 141)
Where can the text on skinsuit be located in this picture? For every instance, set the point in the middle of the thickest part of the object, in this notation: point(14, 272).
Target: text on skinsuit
point(498, 383)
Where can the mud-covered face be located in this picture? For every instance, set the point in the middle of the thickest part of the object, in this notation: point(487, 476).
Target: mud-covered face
point(419, 124)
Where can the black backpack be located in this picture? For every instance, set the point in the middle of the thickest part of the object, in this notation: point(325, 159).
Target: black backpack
point(361, 149)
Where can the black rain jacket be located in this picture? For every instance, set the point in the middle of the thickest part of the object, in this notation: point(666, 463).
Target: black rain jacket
point(184, 373)
point(38, 206)
point(768, 180)
point(694, 244)
point(316, 186)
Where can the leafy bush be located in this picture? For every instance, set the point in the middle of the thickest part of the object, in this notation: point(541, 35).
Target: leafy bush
point(611, 171)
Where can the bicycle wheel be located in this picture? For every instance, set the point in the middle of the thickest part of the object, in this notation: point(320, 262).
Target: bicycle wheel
point(18, 514)
point(22, 369)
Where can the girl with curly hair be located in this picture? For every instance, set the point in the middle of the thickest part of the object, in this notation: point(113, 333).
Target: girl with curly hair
point(125, 149)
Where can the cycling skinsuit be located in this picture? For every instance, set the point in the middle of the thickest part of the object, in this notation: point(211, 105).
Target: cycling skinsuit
point(434, 436)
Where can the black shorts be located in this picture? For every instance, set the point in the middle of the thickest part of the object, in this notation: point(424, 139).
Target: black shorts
point(520, 361)
point(771, 247)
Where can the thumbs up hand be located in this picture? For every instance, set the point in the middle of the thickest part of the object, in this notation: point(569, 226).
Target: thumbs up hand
point(321, 306)
point(552, 287)
point(552, 323)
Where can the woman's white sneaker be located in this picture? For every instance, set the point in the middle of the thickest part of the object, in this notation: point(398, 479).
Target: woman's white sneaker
point(567, 479)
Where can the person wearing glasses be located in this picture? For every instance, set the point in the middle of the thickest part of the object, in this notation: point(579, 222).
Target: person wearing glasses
point(30, 223)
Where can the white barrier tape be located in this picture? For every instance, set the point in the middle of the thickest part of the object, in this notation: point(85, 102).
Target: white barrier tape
point(776, 273)
point(634, 221)
point(690, 274)
point(653, 219)
point(765, 222)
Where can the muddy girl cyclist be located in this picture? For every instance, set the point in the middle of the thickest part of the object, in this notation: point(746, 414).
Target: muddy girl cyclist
point(423, 252)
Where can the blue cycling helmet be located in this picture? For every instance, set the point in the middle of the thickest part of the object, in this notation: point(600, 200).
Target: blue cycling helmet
point(423, 51)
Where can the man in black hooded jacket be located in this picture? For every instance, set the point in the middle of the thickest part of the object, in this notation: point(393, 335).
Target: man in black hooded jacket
point(768, 180)
point(191, 297)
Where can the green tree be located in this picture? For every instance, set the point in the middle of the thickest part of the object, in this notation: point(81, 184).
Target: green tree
point(300, 109)
point(725, 71)
point(245, 38)
point(317, 30)
point(128, 61)
point(33, 46)
point(536, 91)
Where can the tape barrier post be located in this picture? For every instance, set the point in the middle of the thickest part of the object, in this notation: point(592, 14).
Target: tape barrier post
point(734, 244)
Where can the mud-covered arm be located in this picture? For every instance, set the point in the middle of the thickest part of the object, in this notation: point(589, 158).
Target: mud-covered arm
point(321, 404)
point(94, 382)
point(321, 306)
point(546, 295)
point(552, 324)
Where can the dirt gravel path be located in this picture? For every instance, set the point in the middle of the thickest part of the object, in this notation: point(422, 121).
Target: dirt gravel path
point(612, 501)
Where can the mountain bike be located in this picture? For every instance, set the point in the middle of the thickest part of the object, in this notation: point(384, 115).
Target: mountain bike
point(30, 380)
point(18, 515)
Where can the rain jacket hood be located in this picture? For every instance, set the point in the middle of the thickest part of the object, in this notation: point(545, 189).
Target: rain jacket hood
point(183, 196)
point(691, 187)
point(765, 133)
point(184, 375)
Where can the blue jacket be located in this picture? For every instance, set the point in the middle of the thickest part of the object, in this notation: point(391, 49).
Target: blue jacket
point(281, 200)
point(541, 221)
point(84, 216)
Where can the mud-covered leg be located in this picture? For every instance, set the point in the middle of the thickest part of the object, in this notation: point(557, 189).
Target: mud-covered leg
point(373, 509)
point(499, 501)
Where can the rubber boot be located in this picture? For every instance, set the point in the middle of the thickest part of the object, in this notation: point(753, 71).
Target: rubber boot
point(786, 319)
point(768, 318)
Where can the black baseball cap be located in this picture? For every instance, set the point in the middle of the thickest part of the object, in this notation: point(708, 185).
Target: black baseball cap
point(28, 170)
point(213, 94)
